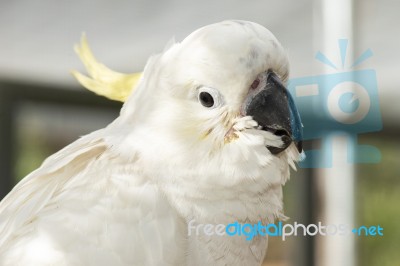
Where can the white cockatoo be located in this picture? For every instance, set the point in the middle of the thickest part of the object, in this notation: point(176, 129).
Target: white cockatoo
point(207, 136)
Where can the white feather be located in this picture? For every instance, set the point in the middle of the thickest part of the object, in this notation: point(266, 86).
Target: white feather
point(123, 195)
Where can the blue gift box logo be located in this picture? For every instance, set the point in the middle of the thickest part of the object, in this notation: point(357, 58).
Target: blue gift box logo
point(344, 102)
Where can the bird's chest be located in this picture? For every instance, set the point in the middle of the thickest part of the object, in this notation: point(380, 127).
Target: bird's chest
point(210, 246)
point(209, 213)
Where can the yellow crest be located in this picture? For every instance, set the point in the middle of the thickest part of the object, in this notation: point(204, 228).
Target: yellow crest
point(102, 80)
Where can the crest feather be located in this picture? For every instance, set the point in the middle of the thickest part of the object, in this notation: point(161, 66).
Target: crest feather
point(102, 80)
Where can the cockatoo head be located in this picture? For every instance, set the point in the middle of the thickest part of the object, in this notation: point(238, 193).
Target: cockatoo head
point(219, 94)
point(213, 110)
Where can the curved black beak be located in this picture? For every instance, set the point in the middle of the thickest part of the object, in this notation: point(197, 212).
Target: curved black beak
point(275, 111)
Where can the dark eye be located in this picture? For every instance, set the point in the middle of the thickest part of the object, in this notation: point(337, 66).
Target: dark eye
point(209, 97)
point(206, 99)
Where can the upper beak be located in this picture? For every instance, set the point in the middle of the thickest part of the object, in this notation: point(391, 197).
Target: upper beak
point(274, 110)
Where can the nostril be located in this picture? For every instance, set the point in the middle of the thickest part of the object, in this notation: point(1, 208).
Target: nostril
point(255, 84)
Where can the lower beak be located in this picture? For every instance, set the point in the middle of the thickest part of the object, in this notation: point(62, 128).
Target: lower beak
point(274, 110)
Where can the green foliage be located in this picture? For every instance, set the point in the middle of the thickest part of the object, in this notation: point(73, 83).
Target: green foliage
point(378, 198)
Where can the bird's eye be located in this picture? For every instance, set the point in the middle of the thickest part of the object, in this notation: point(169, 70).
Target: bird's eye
point(209, 97)
point(206, 99)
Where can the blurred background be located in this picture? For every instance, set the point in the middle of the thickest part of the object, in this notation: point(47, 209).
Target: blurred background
point(42, 108)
